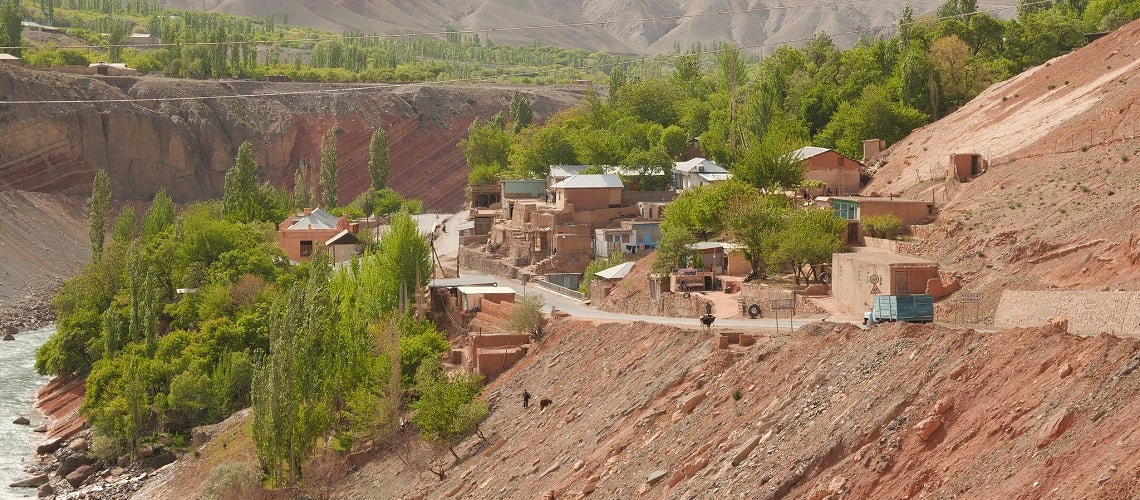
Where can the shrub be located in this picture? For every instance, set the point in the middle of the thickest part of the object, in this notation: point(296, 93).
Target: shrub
point(887, 226)
point(736, 395)
point(526, 317)
point(232, 480)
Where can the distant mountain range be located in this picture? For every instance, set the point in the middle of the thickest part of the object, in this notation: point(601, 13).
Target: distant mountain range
point(657, 29)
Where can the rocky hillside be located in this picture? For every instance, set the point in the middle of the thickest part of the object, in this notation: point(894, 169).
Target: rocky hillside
point(898, 411)
point(1058, 205)
point(655, 35)
point(187, 146)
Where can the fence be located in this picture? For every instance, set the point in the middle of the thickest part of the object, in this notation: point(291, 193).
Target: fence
point(574, 294)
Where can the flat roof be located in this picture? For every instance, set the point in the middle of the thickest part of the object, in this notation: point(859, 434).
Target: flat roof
point(698, 165)
point(463, 281)
point(885, 258)
point(585, 181)
point(485, 290)
point(706, 245)
point(887, 199)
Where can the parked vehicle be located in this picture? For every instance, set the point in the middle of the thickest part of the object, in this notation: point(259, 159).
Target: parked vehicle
point(908, 308)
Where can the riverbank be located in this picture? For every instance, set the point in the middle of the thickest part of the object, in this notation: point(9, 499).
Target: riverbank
point(17, 398)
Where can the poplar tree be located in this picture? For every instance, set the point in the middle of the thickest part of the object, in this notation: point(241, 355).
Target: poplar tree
point(328, 169)
point(159, 216)
point(240, 188)
point(124, 229)
point(522, 114)
point(97, 221)
point(302, 191)
point(379, 160)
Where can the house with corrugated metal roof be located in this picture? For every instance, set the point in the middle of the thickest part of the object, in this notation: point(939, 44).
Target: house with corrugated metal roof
point(838, 174)
point(302, 234)
point(698, 172)
point(588, 192)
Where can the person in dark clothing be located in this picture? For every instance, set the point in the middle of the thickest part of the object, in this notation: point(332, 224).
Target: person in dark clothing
point(526, 399)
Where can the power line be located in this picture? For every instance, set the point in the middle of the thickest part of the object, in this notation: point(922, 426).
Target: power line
point(466, 31)
point(381, 86)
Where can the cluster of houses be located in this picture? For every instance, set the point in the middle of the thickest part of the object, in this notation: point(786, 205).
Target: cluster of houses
point(554, 227)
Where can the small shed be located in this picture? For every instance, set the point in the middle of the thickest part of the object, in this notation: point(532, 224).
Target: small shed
point(443, 291)
point(343, 246)
point(965, 166)
point(514, 189)
point(858, 276)
point(470, 296)
point(722, 258)
point(6, 58)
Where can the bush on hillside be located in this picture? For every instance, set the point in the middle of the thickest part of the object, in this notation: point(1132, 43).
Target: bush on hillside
point(888, 226)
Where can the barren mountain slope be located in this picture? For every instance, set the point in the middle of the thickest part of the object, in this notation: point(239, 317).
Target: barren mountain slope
point(1058, 206)
point(43, 240)
point(896, 411)
point(186, 146)
point(786, 20)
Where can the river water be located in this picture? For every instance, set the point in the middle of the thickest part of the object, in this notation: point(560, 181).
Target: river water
point(18, 385)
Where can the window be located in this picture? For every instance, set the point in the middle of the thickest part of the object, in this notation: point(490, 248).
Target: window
point(306, 248)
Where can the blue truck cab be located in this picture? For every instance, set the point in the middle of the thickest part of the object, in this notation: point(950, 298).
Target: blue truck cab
point(908, 308)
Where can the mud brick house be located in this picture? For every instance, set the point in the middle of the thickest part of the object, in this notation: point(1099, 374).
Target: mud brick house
point(10, 59)
point(302, 234)
point(857, 277)
point(698, 172)
point(854, 208)
point(588, 192)
point(839, 174)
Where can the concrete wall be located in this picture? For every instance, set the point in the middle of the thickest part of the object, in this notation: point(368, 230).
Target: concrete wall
point(1088, 312)
point(910, 211)
point(851, 279)
point(838, 173)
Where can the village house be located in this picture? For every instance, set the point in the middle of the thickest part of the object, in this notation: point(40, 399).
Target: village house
point(722, 258)
point(857, 277)
point(838, 174)
point(300, 235)
point(854, 208)
point(698, 172)
point(111, 69)
point(629, 236)
point(486, 195)
point(559, 173)
point(607, 279)
point(588, 192)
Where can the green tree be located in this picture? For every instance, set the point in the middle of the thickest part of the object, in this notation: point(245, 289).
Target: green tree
point(522, 113)
point(302, 188)
point(808, 239)
point(405, 259)
point(674, 141)
point(755, 222)
point(486, 145)
point(449, 407)
point(876, 114)
point(97, 220)
point(767, 164)
point(159, 216)
point(124, 229)
point(379, 159)
point(329, 178)
point(526, 317)
point(10, 27)
point(240, 190)
point(539, 148)
point(291, 389)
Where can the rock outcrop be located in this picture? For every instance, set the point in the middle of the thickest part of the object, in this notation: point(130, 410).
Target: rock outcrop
point(186, 146)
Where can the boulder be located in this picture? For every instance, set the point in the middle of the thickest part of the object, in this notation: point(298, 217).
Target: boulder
point(71, 463)
point(145, 450)
point(1055, 426)
point(124, 460)
point(118, 471)
point(655, 476)
point(31, 482)
point(79, 475)
point(77, 444)
point(692, 401)
point(741, 453)
point(198, 437)
point(21, 421)
point(40, 428)
point(49, 447)
point(9, 336)
point(927, 427)
point(941, 406)
point(160, 459)
point(1065, 371)
point(45, 491)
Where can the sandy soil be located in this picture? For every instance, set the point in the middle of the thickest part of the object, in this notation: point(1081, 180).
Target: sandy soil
point(43, 240)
